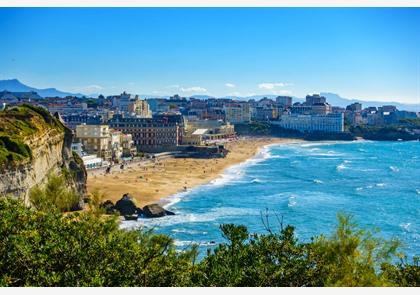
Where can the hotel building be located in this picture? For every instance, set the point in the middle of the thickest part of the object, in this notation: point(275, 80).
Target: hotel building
point(157, 134)
point(330, 123)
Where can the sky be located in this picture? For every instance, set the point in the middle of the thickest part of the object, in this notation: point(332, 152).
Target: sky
point(360, 53)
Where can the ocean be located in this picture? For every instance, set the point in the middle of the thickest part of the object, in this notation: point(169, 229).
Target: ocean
point(305, 184)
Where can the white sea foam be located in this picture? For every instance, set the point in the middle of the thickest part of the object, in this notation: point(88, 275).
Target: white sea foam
point(318, 181)
point(405, 226)
point(256, 180)
point(341, 167)
point(418, 191)
point(316, 144)
point(232, 174)
point(181, 218)
point(188, 231)
point(292, 201)
point(181, 243)
point(380, 184)
point(394, 169)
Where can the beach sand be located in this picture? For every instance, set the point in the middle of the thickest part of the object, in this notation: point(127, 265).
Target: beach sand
point(151, 182)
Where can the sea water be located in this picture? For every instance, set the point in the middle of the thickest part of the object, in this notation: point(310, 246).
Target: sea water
point(305, 185)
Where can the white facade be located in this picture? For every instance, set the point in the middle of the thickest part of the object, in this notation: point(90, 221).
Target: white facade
point(331, 123)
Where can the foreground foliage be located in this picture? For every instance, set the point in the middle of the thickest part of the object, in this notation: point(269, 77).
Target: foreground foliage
point(47, 248)
point(55, 195)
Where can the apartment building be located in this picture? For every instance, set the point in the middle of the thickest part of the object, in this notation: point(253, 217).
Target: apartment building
point(95, 139)
point(237, 112)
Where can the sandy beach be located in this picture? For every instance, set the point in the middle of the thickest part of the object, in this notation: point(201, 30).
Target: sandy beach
point(150, 182)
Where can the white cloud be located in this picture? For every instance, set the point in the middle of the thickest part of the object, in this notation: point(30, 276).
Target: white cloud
point(195, 89)
point(230, 85)
point(271, 86)
point(175, 86)
point(282, 92)
point(241, 94)
point(89, 89)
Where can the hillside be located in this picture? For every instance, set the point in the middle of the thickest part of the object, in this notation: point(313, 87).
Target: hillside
point(33, 145)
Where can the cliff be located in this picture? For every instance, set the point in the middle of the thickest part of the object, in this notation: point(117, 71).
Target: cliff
point(34, 144)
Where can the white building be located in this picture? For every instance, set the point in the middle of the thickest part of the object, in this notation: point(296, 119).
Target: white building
point(92, 162)
point(330, 123)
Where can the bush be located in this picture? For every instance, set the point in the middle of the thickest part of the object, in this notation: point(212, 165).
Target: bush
point(47, 248)
point(81, 249)
point(54, 195)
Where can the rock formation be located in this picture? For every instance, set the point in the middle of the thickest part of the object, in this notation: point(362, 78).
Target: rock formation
point(34, 144)
point(126, 205)
point(155, 210)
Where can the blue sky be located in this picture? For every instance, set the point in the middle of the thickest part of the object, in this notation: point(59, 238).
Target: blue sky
point(365, 53)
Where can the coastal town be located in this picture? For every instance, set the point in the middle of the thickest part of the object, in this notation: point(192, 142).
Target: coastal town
point(219, 144)
point(113, 129)
point(148, 149)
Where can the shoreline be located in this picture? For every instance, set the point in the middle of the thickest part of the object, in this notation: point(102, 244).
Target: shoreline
point(161, 180)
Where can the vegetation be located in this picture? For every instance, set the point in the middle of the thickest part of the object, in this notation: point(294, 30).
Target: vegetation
point(18, 124)
point(42, 247)
point(54, 195)
point(260, 127)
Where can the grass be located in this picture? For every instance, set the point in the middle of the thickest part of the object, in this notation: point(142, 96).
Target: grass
point(17, 125)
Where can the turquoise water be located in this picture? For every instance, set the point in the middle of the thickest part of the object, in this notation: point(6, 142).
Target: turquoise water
point(307, 184)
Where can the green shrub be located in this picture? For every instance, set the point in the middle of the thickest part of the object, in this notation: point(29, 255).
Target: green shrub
point(81, 249)
point(54, 195)
point(47, 248)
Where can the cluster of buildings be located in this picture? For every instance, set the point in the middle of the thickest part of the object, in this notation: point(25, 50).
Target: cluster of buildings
point(385, 115)
point(108, 129)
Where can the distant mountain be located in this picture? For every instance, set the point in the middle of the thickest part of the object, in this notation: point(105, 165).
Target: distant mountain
point(336, 100)
point(14, 85)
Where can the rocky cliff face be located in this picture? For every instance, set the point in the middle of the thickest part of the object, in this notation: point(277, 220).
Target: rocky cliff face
point(34, 144)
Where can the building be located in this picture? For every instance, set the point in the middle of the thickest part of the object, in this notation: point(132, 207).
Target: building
point(330, 123)
point(95, 140)
point(92, 162)
point(128, 147)
point(301, 109)
point(321, 108)
point(314, 99)
point(265, 113)
point(353, 118)
point(284, 101)
point(156, 134)
point(238, 112)
point(73, 120)
point(134, 106)
point(387, 109)
point(158, 105)
point(115, 144)
point(354, 107)
point(199, 132)
point(139, 108)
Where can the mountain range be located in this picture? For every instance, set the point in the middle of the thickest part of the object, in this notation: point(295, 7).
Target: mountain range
point(14, 85)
